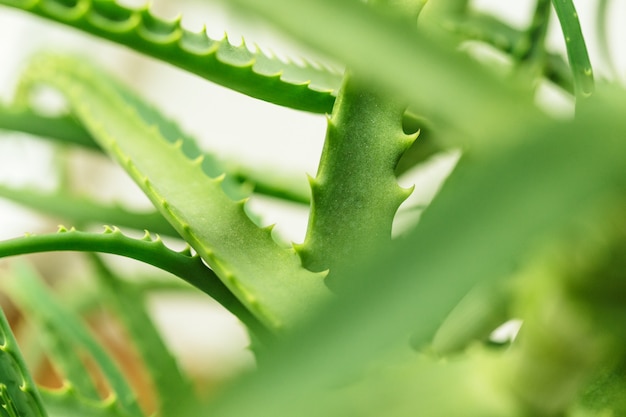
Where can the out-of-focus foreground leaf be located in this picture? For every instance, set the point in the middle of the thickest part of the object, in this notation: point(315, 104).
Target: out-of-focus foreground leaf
point(495, 208)
point(409, 62)
point(522, 180)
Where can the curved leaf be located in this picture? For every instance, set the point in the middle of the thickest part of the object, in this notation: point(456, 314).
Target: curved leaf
point(154, 252)
point(303, 87)
point(411, 64)
point(61, 128)
point(267, 278)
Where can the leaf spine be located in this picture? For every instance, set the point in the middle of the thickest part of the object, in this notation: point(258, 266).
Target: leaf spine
point(220, 178)
point(186, 251)
point(177, 145)
point(198, 160)
point(186, 227)
point(268, 229)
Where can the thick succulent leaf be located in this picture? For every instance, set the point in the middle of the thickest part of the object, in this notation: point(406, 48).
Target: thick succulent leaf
point(64, 129)
point(355, 193)
point(570, 297)
point(300, 86)
point(19, 396)
point(505, 38)
point(267, 278)
point(604, 394)
point(533, 50)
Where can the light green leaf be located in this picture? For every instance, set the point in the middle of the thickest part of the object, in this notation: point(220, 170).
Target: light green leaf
point(267, 278)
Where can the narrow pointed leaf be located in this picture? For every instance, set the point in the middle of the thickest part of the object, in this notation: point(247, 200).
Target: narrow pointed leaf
point(19, 396)
point(154, 252)
point(33, 298)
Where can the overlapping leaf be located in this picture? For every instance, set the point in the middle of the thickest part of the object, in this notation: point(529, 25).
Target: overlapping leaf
point(264, 276)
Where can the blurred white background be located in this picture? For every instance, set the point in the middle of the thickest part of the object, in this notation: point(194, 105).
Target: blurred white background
point(231, 125)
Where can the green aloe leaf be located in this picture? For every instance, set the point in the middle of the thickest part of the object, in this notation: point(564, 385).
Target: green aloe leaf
point(602, 23)
point(505, 38)
point(267, 278)
point(355, 194)
point(63, 129)
point(305, 86)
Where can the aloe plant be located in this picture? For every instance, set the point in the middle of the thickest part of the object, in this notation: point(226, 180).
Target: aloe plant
point(363, 316)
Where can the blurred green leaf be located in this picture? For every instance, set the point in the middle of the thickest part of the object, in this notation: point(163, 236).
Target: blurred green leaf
point(495, 208)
